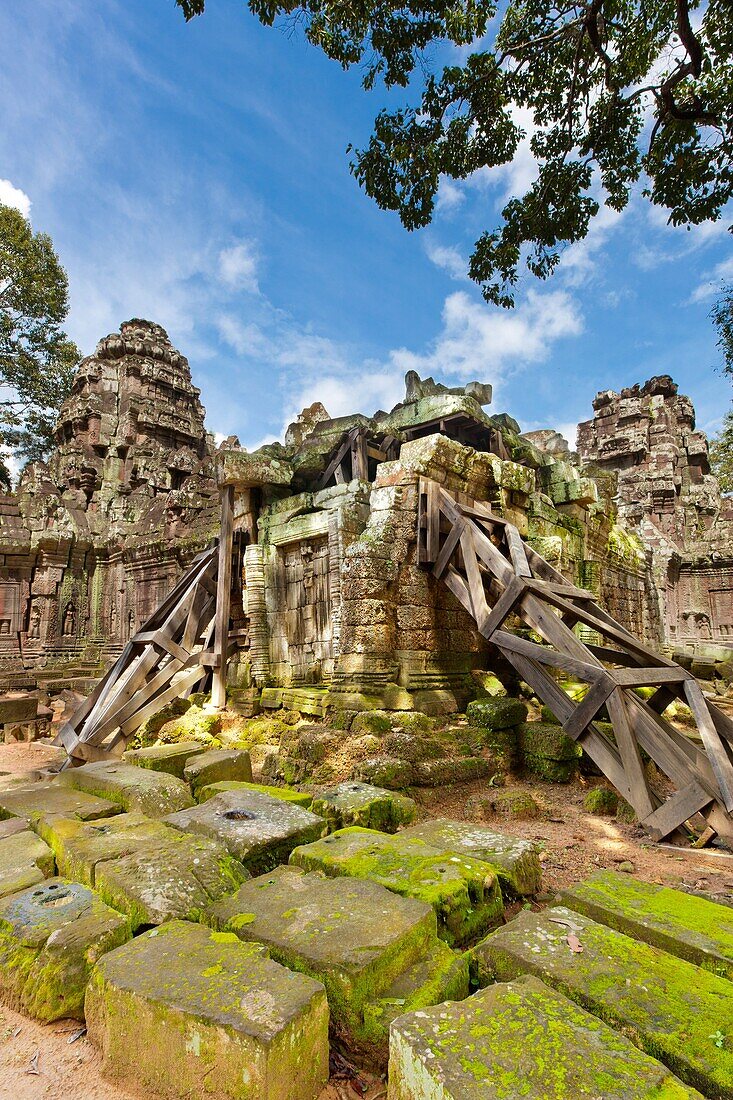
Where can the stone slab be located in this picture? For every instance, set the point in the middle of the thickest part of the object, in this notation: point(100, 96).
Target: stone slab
point(29, 802)
point(176, 880)
point(80, 846)
point(520, 1039)
point(668, 1007)
point(51, 935)
point(366, 944)
point(152, 793)
point(516, 861)
point(185, 1012)
point(165, 758)
point(355, 803)
point(687, 926)
point(464, 891)
point(256, 829)
point(287, 794)
point(216, 765)
point(24, 860)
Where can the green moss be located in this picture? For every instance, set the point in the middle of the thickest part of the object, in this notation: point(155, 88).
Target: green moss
point(552, 771)
point(286, 794)
point(601, 800)
point(372, 721)
point(496, 714)
point(548, 740)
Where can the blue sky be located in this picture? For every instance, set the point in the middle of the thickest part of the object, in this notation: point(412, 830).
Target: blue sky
point(196, 174)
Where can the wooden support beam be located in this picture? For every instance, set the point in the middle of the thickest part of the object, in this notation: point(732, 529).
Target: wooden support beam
point(223, 597)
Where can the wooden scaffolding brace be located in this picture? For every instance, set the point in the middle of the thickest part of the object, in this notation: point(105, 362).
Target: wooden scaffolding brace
point(182, 644)
point(494, 573)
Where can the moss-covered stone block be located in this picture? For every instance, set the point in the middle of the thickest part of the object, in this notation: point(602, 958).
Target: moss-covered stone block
point(668, 1007)
point(258, 830)
point(184, 1012)
point(51, 935)
point(371, 721)
point(520, 1039)
point(79, 846)
point(362, 804)
point(552, 771)
point(690, 927)
point(497, 713)
point(374, 951)
point(448, 771)
point(601, 800)
point(25, 859)
point(29, 802)
point(516, 861)
point(152, 793)
point(547, 740)
point(286, 794)
point(178, 879)
point(513, 803)
point(216, 766)
point(463, 891)
point(385, 771)
point(165, 758)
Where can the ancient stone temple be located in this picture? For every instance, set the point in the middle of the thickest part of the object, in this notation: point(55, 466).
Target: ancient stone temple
point(645, 438)
point(92, 541)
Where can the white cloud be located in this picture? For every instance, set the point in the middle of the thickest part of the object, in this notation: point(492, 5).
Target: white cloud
point(450, 196)
point(520, 173)
point(238, 267)
point(448, 258)
point(568, 431)
point(13, 196)
point(482, 342)
point(710, 284)
point(579, 260)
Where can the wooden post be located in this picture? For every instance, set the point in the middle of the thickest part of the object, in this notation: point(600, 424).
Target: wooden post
point(223, 597)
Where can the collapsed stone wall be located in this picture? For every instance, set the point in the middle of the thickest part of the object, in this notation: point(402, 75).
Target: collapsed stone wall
point(92, 540)
point(645, 438)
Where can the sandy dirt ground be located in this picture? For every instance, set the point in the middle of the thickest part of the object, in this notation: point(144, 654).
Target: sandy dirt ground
point(39, 1061)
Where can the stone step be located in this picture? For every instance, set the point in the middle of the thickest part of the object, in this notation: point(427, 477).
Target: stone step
point(355, 803)
point(31, 801)
point(520, 1039)
point(152, 793)
point(516, 861)
point(670, 1008)
point(687, 926)
point(50, 936)
point(162, 1012)
point(356, 937)
point(463, 891)
point(256, 829)
point(25, 859)
point(286, 794)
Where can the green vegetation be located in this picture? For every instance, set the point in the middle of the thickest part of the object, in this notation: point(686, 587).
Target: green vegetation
point(580, 80)
point(37, 359)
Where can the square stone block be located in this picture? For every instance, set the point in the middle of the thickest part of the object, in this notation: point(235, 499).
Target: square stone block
point(217, 765)
point(24, 860)
point(375, 952)
point(53, 798)
point(51, 935)
point(464, 891)
point(165, 758)
point(178, 878)
point(185, 1012)
point(80, 846)
point(355, 803)
point(256, 829)
point(152, 793)
point(520, 1039)
point(516, 861)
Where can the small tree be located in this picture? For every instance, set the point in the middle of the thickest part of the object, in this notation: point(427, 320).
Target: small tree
point(722, 316)
point(721, 454)
point(37, 359)
point(612, 91)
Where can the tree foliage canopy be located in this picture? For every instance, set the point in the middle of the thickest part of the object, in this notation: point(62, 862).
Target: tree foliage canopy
point(37, 360)
point(721, 454)
point(722, 315)
point(617, 90)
